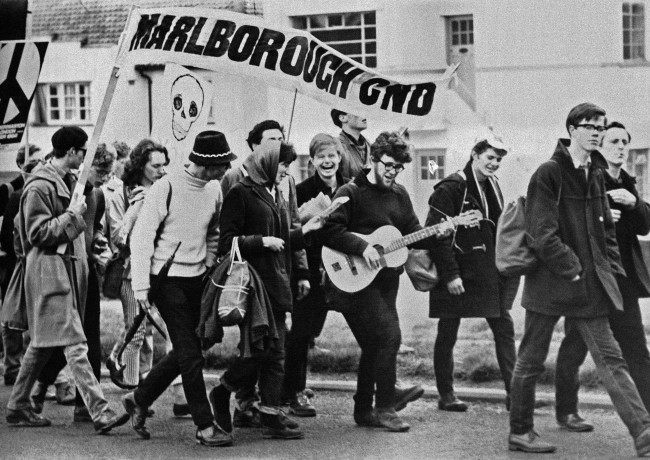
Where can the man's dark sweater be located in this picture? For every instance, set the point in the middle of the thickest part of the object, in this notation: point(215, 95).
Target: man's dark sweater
point(369, 208)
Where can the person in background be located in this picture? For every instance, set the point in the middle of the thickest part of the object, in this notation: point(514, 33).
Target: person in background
point(632, 217)
point(573, 235)
point(470, 285)
point(356, 148)
point(256, 213)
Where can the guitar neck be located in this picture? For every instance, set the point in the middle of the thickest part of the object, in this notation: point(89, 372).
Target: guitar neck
point(419, 235)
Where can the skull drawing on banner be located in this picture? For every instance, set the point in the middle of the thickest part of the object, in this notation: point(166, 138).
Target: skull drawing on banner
point(187, 103)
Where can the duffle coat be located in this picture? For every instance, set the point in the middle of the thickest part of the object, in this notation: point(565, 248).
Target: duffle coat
point(55, 284)
point(571, 235)
point(470, 253)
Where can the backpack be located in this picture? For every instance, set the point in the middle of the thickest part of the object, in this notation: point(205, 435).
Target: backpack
point(514, 257)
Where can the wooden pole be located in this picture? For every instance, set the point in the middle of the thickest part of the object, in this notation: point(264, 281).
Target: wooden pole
point(293, 108)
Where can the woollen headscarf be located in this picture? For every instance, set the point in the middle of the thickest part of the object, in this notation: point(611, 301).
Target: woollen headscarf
point(262, 167)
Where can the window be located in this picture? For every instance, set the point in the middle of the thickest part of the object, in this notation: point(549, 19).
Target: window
point(352, 34)
point(303, 167)
point(67, 103)
point(461, 29)
point(432, 164)
point(633, 31)
point(637, 165)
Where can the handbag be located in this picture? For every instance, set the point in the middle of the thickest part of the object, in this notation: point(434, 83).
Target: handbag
point(513, 255)
point(114, 273)
point(233, 301)
point(421, 270)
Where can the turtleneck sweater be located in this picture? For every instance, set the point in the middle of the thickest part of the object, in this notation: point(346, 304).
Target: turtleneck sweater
point(193, 220)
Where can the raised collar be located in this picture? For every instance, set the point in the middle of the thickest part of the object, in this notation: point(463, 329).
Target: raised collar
point(360, 143)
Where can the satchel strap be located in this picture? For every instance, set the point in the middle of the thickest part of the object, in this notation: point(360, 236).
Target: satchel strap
point(235, 254)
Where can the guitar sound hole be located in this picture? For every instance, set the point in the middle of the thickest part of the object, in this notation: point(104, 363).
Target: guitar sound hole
point(336, 266)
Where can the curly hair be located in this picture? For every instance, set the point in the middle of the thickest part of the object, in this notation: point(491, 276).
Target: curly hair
point(104, 157)
point(392, 144)
point(138, 159)
point(122, 149)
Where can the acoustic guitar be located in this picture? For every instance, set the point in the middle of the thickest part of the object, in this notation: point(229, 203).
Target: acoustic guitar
point(351, 273)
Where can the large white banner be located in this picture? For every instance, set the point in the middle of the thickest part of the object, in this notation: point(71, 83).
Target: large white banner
point(182, 106)
point(289, 58)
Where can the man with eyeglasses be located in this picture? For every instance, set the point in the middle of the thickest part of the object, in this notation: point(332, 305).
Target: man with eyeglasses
point(573, 235)
point(375, 200)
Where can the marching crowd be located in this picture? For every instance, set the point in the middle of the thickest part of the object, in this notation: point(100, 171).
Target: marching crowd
point(173, 234)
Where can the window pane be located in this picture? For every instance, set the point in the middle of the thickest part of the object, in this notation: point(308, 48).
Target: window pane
point(471, 24)
point(626, 36)
point(425, 172)
point(352, 19)
point(626, 52)
point(54, 114)
point(463, 26)
point(54, 102)
point(463, 39)
point(82, 114)
point(440, 160)
point(69, 114)
point(70, 89)
point(299, 22)
point(454, 26)
point(82, 89)
point(347, 48)
point(338, 34)
point(626, 7)
point(53, 90)
point(637, 8)
point(424, 161)
point(318, 22)
point(335, 20)
point(371, 47)
point(471, 38)
point(371, 61)
point(356, 58)
point(454, 39)
point(369, 18)
point(371, 33)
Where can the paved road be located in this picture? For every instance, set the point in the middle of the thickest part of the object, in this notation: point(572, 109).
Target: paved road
point(481, 432)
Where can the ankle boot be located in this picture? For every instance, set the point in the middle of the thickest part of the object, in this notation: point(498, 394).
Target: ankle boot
point(273, 428)
point(220, 400)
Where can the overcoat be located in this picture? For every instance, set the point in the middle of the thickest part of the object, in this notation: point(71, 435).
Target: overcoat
point(571, 235)
point(55, 284)
point(469, 253)
point(251, 213)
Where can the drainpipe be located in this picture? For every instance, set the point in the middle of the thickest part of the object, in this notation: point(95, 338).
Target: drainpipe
point(144, 75)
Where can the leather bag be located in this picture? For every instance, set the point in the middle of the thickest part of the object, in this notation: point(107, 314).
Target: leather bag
point(421, 270)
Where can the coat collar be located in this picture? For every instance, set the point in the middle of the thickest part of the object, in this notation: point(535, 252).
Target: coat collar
point(563, 157)
point(50, 174)
point(321, 186)
point(262, 193)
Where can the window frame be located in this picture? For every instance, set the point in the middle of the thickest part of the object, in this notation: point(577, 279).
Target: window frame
point(634, 48)
point(330, 23)
point(429, 153)
point(61, 98)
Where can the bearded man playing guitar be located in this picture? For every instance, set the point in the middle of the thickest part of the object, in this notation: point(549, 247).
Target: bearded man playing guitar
point(375, 200)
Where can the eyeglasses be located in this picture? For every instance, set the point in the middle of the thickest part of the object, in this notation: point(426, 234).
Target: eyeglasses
point(590, 127)
point(390, 166)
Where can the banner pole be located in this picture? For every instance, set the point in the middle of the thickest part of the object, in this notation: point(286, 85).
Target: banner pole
point(293, 108)
point(101, 118)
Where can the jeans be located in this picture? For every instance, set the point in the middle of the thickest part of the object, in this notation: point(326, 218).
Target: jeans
point(307, 321)
point(267, 368)
point(77, 358)
point(606, 353)
point(13, 346)
point(443, 353)
point(179, 303)
point(91, 327)
point(627, 327)
point(373, 319)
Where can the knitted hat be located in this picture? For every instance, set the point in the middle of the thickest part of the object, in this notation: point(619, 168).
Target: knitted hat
point(211, 149)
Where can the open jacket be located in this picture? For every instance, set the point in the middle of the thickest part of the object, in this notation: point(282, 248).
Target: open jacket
point(469, 254)
point(573, 234)
point(634, 221)
point(250, 213)
point(55, 285)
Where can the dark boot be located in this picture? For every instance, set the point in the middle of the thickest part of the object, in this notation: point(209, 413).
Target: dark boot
point(273, 428)
point(449, 402)
point(220, 400)
point(138, 415)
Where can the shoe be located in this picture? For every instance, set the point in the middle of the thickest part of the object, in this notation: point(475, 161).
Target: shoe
point(26, 417)
point(575, 423)
point(65, 394)
point(367, 418)
point(391, 421)
point(219, 398)
point(218, 438)
point(403, 396)
point(529, 442)
point(38, 397)
point(249, 418)
point(181, 410)
point(450, 403)
point(81, 415)
point(109, 420)
point(138, 415)
point(288, 422)
point(405, 350)
point(301, 406)
point(642, 443)
point(51, 393)
point(273, 428)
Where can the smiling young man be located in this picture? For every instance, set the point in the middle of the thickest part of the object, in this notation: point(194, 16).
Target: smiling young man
point(632, 217)
point(573, 236)
point(375, 200)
